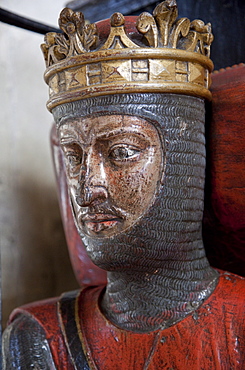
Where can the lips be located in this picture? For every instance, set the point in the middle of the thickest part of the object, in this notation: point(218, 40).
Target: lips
point(99, 217)
point(99, 221)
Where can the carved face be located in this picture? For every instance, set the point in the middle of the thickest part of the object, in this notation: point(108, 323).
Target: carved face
point(114, 166)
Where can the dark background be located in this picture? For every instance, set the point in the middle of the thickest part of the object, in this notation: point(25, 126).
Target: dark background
point(226, 16)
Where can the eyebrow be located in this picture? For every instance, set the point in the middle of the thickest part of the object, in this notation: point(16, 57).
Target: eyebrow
point(75, 137)
point(67, 140)
point(119, 132)
point(68, 136)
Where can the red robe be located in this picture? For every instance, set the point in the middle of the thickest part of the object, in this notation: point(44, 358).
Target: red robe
point(80, 337)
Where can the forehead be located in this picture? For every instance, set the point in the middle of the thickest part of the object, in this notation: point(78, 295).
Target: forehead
point(105, 126)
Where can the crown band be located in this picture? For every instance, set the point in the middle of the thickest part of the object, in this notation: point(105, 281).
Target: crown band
point(176, 60)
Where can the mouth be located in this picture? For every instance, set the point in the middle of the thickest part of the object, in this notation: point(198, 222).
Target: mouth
point(100, 222)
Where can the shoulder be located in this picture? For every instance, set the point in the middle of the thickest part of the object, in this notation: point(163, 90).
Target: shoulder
point(231, 287)
point(44, 312)
point(226, 305)
point(34, 336)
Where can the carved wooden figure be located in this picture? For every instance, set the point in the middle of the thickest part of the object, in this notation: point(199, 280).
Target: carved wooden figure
point(128, 96)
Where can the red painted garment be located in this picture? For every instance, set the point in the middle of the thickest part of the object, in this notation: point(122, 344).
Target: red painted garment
point(213, 337)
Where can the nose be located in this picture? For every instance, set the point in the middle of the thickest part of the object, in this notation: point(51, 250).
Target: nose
point(92, 195)
point(92, 184)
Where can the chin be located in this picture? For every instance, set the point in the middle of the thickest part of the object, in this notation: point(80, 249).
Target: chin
point(107, 254)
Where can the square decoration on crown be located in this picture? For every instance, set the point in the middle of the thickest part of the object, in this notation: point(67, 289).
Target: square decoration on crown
point(115, 71)
point(162, 70)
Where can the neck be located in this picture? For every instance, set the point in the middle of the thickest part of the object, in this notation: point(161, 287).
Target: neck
point(148, 299)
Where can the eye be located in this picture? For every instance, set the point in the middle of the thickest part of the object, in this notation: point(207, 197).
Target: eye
point(123, 153)
point(74, 159)
point(73, 155)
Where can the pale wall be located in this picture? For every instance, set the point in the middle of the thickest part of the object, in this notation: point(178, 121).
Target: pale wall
point(35, 262)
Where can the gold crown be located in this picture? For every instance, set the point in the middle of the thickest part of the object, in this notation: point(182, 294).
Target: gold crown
point(149, 53)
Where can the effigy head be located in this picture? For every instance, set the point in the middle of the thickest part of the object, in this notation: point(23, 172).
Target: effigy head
point(127, 95)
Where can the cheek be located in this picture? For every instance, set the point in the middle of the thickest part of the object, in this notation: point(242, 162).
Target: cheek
point(132, 190)
point(72, 184)
point(72, 190)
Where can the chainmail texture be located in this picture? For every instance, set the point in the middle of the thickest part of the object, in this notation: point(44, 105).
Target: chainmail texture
point(25, 346)
point(168, 237)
